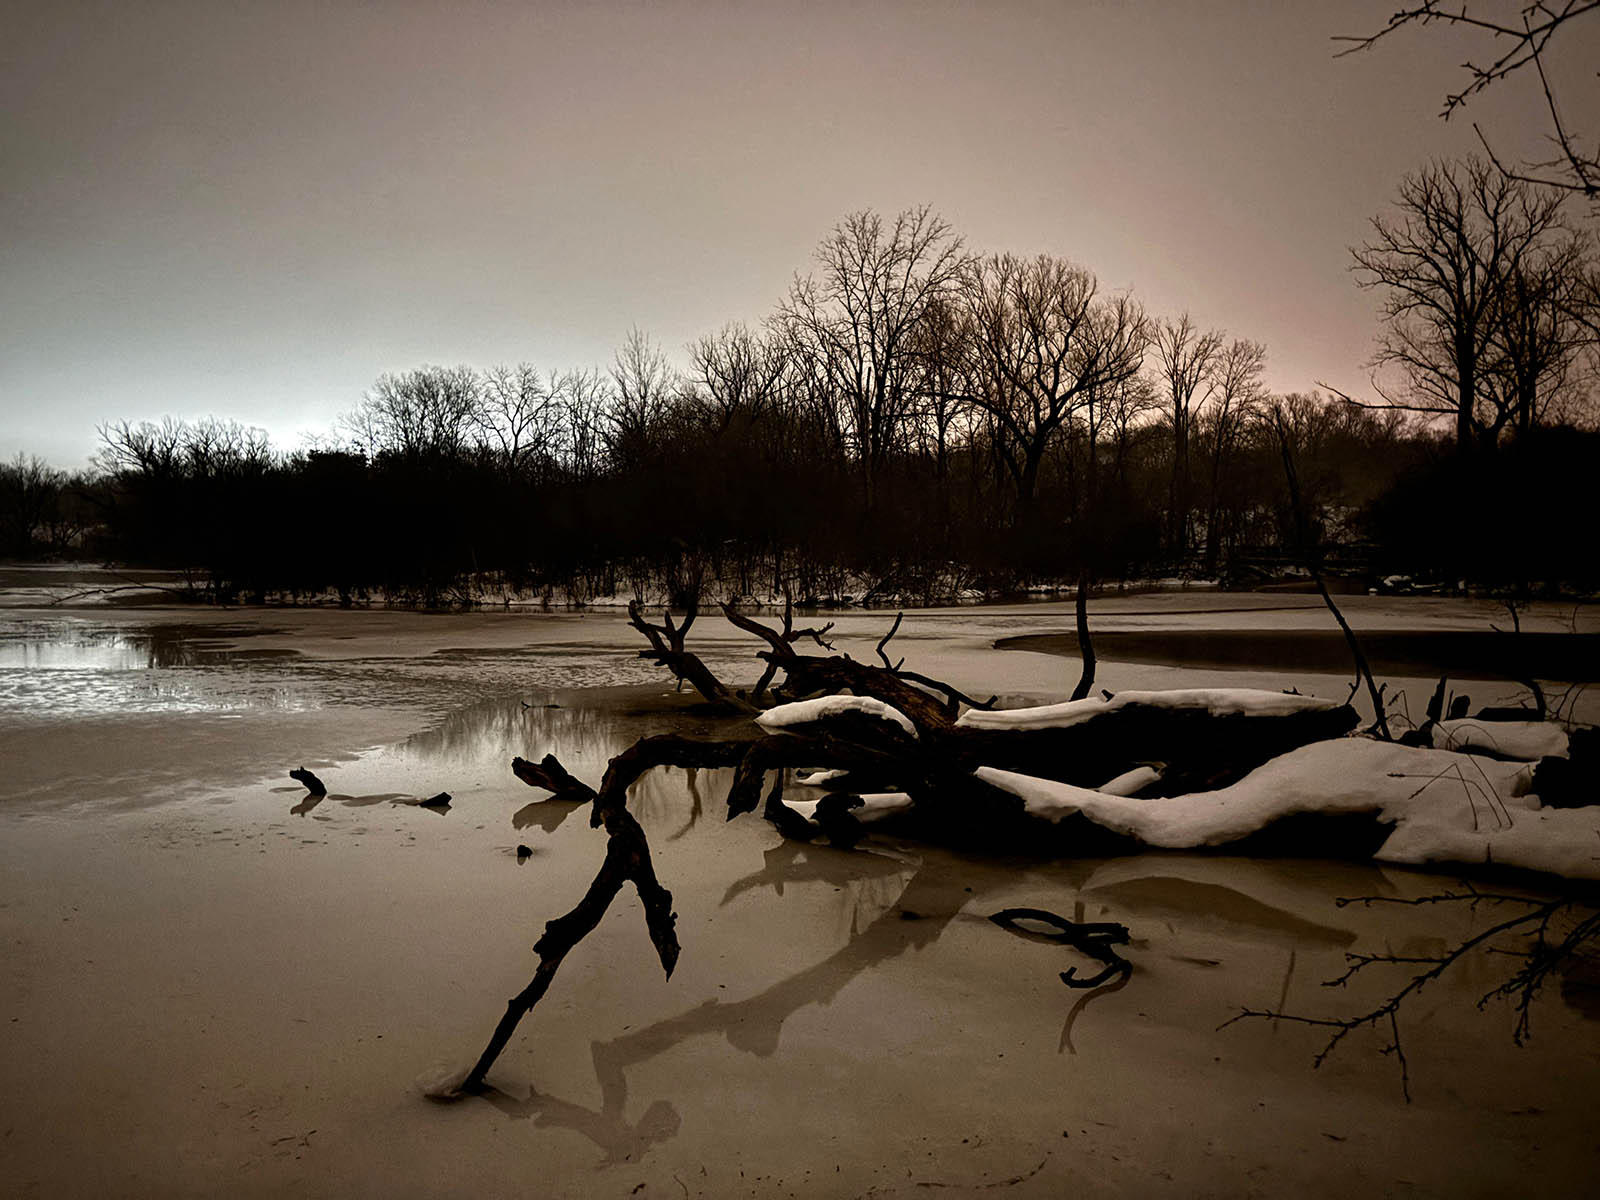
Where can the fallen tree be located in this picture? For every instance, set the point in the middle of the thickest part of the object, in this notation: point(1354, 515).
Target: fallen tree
point(891, 744)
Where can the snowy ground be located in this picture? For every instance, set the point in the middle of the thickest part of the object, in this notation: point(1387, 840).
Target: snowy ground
point(215, 987)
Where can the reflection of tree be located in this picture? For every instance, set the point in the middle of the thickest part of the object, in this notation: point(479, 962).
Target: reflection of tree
point(791, 862)
point(606, 1126)
point(926, 907)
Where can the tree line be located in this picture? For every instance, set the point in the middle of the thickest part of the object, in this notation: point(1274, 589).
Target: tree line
point(912, 420)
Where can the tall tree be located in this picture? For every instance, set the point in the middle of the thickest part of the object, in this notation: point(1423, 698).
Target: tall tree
point(1460, 232)
point(518, 419)
point(429, 413)
point(644, 383)
point(855, 316)
point(1233, 390)
point(1048, 345)
point(739, 373)
point(1185, 358)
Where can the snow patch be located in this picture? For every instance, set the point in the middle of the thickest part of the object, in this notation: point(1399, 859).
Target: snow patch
point(1527, 740)
point(819, 776)
point(1130, 782)
point(875, 806)
point(807, 712)
point(1218, 702)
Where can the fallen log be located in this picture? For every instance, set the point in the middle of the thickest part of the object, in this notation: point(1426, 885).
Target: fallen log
point(905, 734)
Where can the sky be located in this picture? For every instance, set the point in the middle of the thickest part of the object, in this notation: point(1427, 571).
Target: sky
point(252, 210)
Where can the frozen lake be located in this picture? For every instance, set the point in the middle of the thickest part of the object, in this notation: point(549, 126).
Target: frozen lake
point(219, 984)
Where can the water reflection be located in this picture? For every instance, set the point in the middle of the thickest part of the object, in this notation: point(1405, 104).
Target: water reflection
point(79, 645)
point(584, 730)
point(607, 1127)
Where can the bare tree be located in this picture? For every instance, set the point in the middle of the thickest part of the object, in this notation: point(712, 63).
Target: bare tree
point(1127, 407)
point(517, 416)
point(1047, 346)
point(643, 384)
point(145, 448)
point(583, 399)
point(1233, 390)
point(1185, 359)
point(854, 319)
point(30, 495)
point(426, 413)
point(1538, 334)
point(740, 372)
point(1519, 41)
point(942, 345)
point(216, 448)
point(1460, 233)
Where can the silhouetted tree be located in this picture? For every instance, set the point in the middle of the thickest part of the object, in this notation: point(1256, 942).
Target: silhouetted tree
point(1518, 38)
point(1184, 359)
point(1445, 260)
point(853, 321)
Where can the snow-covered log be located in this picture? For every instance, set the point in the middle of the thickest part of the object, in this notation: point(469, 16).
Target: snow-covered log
point(1205, 738)
point(806, 715)
point(1214, 702)
point(1444, 806)
point(1526, 741)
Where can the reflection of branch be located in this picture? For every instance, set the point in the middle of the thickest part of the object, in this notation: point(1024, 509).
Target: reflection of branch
point(1547, 953)
point(697, 806)
point(754, 1024)
point(606, 1127)
point(1083, 1003)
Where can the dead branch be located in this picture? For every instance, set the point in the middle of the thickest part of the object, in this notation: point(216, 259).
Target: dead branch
point(1380, 721)
point(627, 858)
point(311, 782)
point(1085, 643)
point(549, 774)
point(1094, 938)
point(667, 650)
point(893, 629)
point(1522, 986)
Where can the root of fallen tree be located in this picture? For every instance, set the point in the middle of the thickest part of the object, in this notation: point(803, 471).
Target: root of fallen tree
point(918, 751)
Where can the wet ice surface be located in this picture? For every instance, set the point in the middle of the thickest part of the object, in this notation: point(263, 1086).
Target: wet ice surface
point(232, 986)
point(75, 666)
point(840, 1022)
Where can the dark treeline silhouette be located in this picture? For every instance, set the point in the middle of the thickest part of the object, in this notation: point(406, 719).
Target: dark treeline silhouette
point(912, 421)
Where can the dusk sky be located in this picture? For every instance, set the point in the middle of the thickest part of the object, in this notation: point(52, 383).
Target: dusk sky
point(251, 210)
